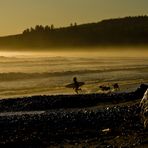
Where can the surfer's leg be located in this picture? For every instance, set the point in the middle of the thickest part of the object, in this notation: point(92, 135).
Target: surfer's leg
point(76, 90)
point(80, 89)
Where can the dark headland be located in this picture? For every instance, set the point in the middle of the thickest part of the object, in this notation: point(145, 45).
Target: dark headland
point(119, 31)
point(99, 120)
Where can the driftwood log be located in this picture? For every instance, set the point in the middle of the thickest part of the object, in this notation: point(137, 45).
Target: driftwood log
point(144, 109)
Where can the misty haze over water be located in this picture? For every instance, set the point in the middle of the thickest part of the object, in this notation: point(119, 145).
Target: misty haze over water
point(44, 73)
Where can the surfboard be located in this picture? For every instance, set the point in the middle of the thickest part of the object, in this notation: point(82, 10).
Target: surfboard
point(72, 85)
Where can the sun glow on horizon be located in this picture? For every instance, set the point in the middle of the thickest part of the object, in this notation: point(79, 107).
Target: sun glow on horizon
point(80, 52)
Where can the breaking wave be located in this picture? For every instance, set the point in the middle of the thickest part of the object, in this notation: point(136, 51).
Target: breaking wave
point(19, 75)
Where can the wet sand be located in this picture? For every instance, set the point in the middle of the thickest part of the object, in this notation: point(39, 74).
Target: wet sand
point(90, 120)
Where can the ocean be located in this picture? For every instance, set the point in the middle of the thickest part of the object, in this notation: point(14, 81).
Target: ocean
point(47, 73)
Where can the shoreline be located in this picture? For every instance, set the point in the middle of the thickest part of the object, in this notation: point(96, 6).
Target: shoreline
point(125, 87)
point(47, 102)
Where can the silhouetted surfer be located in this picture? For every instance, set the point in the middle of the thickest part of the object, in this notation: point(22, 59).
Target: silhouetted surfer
point(76, 85)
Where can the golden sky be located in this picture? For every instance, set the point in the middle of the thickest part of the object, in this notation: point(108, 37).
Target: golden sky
point(17, 15)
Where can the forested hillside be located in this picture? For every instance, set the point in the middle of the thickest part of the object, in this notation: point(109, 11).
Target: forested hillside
point(120, 31)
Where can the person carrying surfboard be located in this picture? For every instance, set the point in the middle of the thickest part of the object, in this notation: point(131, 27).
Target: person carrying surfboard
point(76, 85)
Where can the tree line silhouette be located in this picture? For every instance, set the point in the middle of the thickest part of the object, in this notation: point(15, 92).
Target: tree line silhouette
point(119, 31)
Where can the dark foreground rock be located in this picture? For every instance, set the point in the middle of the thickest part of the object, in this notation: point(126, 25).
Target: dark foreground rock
point(144, 109)
point(108, 123)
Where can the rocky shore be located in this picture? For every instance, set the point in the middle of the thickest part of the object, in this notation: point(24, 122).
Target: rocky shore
point(97, 120)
